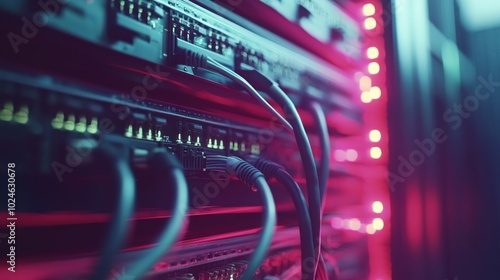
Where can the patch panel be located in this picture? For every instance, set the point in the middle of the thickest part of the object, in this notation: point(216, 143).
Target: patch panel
point(216, 138)
point(188, 27)
point(276, 67)
point(335, 29)
point(141, 10)
point(192, 158)
point(277, 264)
point(137, 27)
point(146, 127)
point(223, 270)
point(188, 134)
point(238, 142)
point(228, 259)
point(209, 36)
point(229, 271)
point(172, 25)
point(196, 29)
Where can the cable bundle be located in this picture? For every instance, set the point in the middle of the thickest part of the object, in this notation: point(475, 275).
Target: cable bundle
point(274, 170)
point(253, 178)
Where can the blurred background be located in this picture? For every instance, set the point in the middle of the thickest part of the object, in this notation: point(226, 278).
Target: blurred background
point(400, 101)
point(446, 80)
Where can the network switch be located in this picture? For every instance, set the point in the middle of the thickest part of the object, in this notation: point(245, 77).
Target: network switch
point(110, 79)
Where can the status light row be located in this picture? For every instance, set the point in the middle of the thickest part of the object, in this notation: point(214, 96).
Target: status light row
point(356, 225)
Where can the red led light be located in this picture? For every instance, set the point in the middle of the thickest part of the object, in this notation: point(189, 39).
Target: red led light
point(373, 68)
point(375, 93)
point(375, 135)
point(370, 23)
point(370, 229)
point(368, 9)
point(372, 52)
point(351, 155)
point(340, 155)
point(365, 97)
point(377, 207)
point(365, 83)
point(354, 224)
point(375, 152)
point(378, 223)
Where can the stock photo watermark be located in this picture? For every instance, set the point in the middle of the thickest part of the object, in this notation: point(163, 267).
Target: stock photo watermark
point(454, 117)
point(221, 179)
point(394, 8)
point(121, 275)
point(30, 26)
point(78, 151)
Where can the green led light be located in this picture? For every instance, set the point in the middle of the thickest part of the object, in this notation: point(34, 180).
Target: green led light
point(69, 124)
point(81, 125)
point(22, 116)
point(58, 121)
point(139, 133)
point(255, 149)
point(6, 113)
point(130, 131)
point(92, 128)
point(158, 135)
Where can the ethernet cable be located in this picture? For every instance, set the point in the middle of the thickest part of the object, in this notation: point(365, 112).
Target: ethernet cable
point(194, 59)
point(274, 170)
point(166, 165)
point(313, 189)
point(252, 177)
point(324, 140)
point(217, 67)
point(124, 210)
